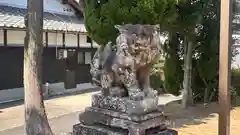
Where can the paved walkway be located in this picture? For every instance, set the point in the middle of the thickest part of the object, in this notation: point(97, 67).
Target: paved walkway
point(62, 113)
point(12, 117)
point(59, 125)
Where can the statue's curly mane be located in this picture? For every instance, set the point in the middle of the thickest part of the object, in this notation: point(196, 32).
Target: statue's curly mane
point(143, 41)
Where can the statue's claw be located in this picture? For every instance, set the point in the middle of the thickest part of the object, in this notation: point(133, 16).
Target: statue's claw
point(136, 94)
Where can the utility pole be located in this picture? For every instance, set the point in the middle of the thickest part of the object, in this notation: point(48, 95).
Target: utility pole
point(225, 67)
point(36, 122)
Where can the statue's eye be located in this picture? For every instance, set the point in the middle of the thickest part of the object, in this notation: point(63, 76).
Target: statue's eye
point(138, 44)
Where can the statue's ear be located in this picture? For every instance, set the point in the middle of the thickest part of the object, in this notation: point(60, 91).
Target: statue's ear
point(157, 27)
point(119, 28)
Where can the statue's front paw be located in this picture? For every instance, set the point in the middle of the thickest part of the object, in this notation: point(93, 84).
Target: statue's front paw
point(151, 92)
point(136, 95)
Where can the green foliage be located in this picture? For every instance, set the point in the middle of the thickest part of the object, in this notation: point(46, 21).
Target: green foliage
point(158, 67)
point(236, 10)
point(174, 16)
point(236, 71)
point(156, 82)
point(188, 16)
point(205, 51)
point(173, 76)
point(172, 69)
point(101, 16)
point(155, 79)
point(206, 62)
point(234, 96)
point(236, 79)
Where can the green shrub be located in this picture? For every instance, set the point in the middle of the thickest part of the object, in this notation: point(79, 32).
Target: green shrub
point(234, 96)
point(235, 81)
point(156, 82)
point(236, 71)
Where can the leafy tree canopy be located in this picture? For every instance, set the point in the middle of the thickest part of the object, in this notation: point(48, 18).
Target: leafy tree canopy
point(102, 15)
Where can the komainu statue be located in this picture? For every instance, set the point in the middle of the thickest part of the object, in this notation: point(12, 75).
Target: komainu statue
point(124, 69)
point(126, 105)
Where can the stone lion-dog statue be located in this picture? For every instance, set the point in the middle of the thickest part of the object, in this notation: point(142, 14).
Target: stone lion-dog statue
point(124, 69)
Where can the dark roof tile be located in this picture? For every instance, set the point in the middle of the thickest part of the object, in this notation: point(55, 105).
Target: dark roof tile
point(14, 17)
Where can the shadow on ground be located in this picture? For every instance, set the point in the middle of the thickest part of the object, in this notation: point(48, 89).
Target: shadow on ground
point(20, 102)
point(195, 115)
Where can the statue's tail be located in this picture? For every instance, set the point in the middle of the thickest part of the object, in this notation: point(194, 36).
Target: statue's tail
point(106, 52)
point(95, 66)
point(98, 60)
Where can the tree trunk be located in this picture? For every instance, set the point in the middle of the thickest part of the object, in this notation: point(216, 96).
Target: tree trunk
point(36, 122)
point(189, 68)
point(187, 90)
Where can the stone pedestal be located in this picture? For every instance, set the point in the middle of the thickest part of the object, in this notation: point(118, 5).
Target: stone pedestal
point(121, 116)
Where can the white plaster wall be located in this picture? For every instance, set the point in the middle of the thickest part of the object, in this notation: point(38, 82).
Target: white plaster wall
point(71, 40)
point(1, 37)
point(85, 45)
point(53, 6)
point(83, 41)
point(55, 39)
point(15, 37)
point(82, 38)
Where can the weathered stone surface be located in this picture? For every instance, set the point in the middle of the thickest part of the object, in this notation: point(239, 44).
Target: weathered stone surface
point(166, 132)
point(127, 104)
point(115, 92)
point(121, 115)
point(81, 129)
point(92, 118)
point(127, 64)
point(148, 104)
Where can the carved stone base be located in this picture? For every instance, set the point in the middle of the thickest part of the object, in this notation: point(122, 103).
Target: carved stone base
point(133, 117)
point(122, 120)
point(125, 105)
point(121, 116)
point(107, 122)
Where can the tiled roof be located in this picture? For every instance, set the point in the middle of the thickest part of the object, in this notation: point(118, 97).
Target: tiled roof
point(14, 17)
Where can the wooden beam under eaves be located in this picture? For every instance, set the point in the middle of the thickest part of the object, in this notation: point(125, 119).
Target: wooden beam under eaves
point(5, 38)
point(46, 39)
point(78, 40)
point(63, 40)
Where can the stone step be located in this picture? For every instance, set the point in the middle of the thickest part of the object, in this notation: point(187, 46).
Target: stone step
point(92, 118)
point(81, 129)
point(121, 115)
